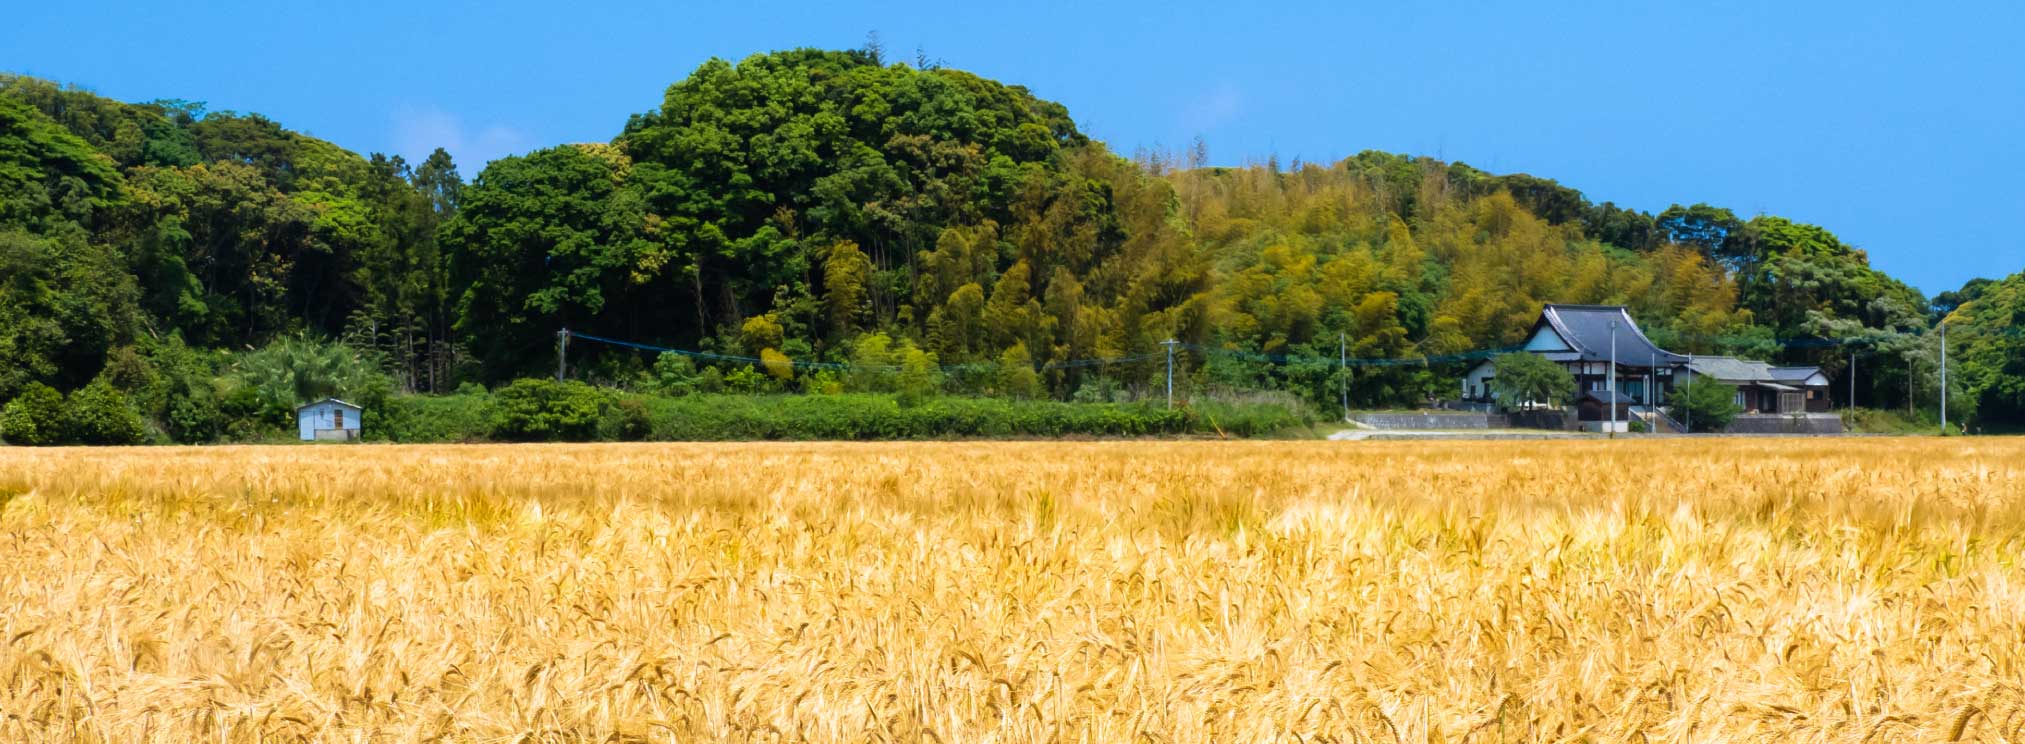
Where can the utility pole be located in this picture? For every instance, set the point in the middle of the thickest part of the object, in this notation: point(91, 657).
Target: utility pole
point(1944, 376)
point(1852, 380)
point(562, 352)
point(1611, 385)
point(1169, 343)
point(1343, 368)
point(1690, 393)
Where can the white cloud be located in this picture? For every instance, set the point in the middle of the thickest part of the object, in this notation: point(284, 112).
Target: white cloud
point(419, 130)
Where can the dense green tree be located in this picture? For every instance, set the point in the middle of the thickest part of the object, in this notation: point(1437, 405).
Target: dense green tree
point(1015, 376)
point(35, 417)
point(547, 240)
point(847, 277)
point(1947, 302)
point(1705, 405)
point(99, 413)
point(1986, 343)
point(1714, 230)
point(437, 179)
point(1525, 377)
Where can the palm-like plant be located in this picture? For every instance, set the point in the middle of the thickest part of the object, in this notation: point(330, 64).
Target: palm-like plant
point(296, 369)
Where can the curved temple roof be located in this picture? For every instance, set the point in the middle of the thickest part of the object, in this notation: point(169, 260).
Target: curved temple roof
point(1587, 330)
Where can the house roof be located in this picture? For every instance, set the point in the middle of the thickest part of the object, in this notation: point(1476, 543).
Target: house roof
point(1609, 396)
point(1588, 330)
point(1745, 371)
point(352, 406)
point(1795, 375)
point(1731, 369)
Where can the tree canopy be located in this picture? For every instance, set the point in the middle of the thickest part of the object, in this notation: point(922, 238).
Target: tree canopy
point(1525, 377)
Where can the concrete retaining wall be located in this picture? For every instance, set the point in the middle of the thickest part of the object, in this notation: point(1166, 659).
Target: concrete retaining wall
point(1432, 420)
point(1544, 419)
point(1786, 423)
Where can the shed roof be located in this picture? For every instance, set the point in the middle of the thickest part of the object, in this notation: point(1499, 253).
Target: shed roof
point(352, 406)
point(1588, 330)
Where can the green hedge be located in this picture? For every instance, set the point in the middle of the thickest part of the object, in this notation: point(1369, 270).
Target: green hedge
point(882, 417)
point(464, 417)
point(629, 417)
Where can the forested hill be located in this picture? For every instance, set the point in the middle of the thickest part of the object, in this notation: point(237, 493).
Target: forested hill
point(827, 207)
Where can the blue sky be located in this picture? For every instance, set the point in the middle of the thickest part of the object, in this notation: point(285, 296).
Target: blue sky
point(1894, 126)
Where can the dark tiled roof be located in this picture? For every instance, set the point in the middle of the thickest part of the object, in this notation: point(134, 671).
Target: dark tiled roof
point(1588, 329)
point(1607, 396)
point(1747, 372)
point(1731, 369)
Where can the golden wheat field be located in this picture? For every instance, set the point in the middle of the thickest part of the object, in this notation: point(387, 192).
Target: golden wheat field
point(1708, 590)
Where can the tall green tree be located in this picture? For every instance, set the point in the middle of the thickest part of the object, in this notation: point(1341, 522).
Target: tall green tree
point(556, 238)
point(1524, 377)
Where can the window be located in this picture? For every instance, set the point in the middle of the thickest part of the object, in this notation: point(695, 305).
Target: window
point(337, 418)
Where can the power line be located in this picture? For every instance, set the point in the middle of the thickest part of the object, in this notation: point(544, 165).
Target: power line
point(1340, 360)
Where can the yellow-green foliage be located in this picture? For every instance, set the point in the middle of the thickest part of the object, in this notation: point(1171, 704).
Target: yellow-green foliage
point(1733, 590)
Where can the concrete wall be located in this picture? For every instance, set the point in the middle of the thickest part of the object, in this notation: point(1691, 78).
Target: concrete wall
point(1780, 423)
point(1430, 420)
point(1552, 420)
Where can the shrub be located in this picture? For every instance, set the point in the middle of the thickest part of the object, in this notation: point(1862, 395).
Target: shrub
point(99, 413)
point(919, 375)
point(673, 374)
point(1705, 406)
point(872, 365)
point(822, 382)
point(545, 410)
point(710, 381)
point(1016, 375)
point(34, 418)
point(464, 417)
point(1099, 390)
point(744, 380)
point(777, 364)
point(1258, 414)
point(625, 420)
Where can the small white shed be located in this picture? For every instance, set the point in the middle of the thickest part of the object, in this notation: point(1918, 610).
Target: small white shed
point(328, 420)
